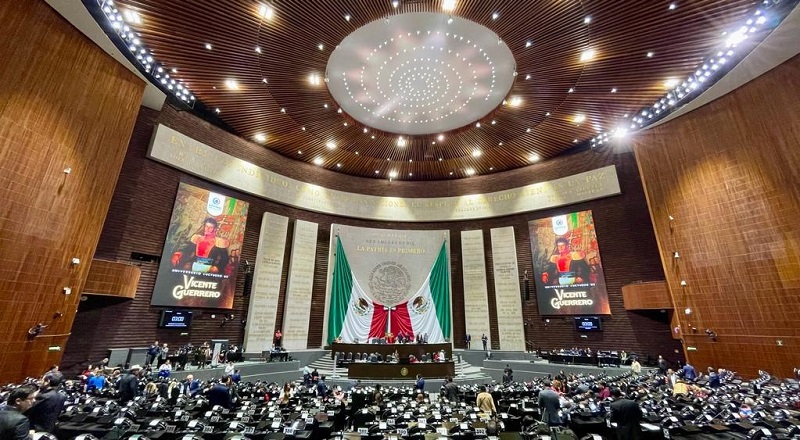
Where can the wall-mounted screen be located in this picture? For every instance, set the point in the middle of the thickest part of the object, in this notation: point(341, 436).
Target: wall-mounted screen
point(588, 324)
point(175, 319)
point(202, 250)
point(567, 265)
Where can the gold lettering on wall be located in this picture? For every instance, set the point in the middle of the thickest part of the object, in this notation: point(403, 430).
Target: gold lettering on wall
point(182, 152)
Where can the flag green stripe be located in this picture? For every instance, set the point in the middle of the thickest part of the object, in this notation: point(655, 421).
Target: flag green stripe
point(440, 291)
point(341, 289)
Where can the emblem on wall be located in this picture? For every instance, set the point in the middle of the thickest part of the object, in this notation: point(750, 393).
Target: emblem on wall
point(389, 283)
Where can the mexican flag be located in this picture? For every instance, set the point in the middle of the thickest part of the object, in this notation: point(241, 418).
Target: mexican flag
point(356, 318)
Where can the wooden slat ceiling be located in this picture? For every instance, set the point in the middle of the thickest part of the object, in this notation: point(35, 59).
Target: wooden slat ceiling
point(621, 32)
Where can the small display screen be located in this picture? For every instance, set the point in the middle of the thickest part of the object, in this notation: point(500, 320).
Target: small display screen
point(175, 319)
point(588, 324)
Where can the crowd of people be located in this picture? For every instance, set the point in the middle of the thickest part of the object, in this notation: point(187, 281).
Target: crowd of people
point(669, 399)
point(188, 356)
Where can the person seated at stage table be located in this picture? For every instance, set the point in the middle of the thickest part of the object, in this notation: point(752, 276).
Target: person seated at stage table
point(412, 359)
point(442, 356)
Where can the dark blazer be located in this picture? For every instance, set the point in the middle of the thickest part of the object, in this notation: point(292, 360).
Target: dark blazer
point(128, 387)
point(13, 425)
point(44, 413)
point(220, 395)
point(627, 414)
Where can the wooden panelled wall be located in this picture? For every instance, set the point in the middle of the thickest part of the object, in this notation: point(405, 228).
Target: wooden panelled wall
point(729, 175)
point(64, 104)
point(140, 212)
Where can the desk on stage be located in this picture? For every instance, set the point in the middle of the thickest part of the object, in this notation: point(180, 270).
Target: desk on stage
point(386, 349)
point(601, 360)
point(394, 370)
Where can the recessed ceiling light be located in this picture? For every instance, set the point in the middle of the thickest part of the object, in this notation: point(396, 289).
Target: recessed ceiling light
point(266, 12)
point(533, 157)
point(571, 90)
point(410, 174)
point(448, 5)
point(331, 145)
point(670, 83)
point(587, 19)
point(440, 137)
point(578, 118)
point(347, 17)
point(478, 124)
point(614, 90)
point(132, 16)
point(365, 129)
point(395, 3)
point(547, 114)
point(264, 80)
point(574, 141)
point(258, 49)
point(174, 70)
point(283, 110)
point(231, 84)
point(299, 152)
point(470, 171)
point(260, 137)
point(392, 174)
point(672, 6)
point(325, 105)
point(515, 101)
point(491, 168)
point(303, 128)
point(377, 171)
point(314, 79)
point(587, 55)
point(476, 153)
point(650, 54)
point(345, 124)
point(528, 130)
point(208, 46)
point(318, 160)
point(494, 122)
point(320, 46)
point(495, 15)
point(528, 43)
point(401, 141)
point(217, 110)
point(338, 165)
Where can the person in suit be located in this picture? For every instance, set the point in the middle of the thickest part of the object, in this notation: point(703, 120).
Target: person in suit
point(13, 424)
point(627, 415)
point(485, 402)
point(220, 393)
point(420, 382)
point(49, 403)
point(468, 340)
point(485, 340)
point(129, 384)
point(550, 403)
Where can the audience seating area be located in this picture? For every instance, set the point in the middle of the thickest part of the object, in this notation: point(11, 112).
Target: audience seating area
point(737, 409)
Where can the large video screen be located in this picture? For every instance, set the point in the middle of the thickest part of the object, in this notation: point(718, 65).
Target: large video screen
point(567, 266)
point(202, 250)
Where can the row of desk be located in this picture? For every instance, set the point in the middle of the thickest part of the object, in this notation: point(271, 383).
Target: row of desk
point(595, 360)
point(403, 350)
point(394, 370)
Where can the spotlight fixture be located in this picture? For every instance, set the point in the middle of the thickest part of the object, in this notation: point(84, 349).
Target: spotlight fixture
point(266, 12)
point(448, 5)
point(684, 283)
point(676, 254)
point(671, 218)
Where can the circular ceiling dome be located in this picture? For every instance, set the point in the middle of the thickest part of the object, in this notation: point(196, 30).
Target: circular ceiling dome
point(420, 73)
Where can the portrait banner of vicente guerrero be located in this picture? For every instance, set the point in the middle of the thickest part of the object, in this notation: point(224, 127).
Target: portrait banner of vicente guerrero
point(202, 250)
point(567, 266)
